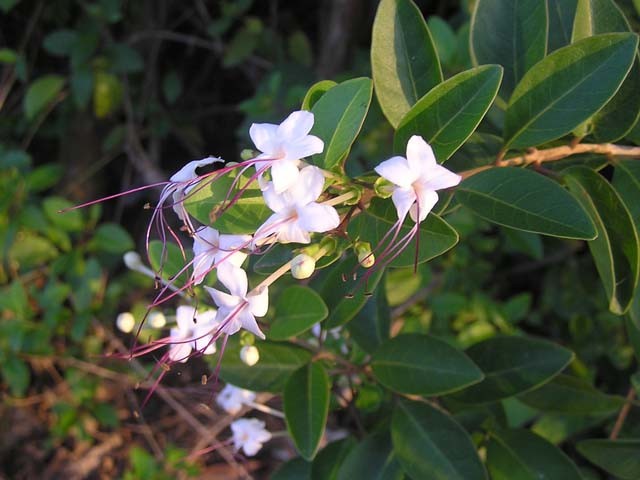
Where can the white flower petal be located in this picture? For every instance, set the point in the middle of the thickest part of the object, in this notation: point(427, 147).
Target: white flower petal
point(439, 177)
point(205, 239)
point(179, 352)
point(425, 201)
point(264, 136)
point(397, 171)
point(296, 125)
point(248, 322)
point(201, 266)
point(223, 300)
point(420, 155)
point(284, 174)
point(275, 201)
point(188, 172)
point(305, 147)
point(234, 278)
point(403, 198)
point(308, 187)
point(184, 318)
point(316, 217)
point(292, 232)
point(259, 302)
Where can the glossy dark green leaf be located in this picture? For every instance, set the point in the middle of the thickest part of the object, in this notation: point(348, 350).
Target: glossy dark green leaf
point(60, 42)
point(168, 261)
point(618, 457)
point(404, 61)
point(243, 217)
point(42, 93)
point(448, 115)
point(513, 365)
point(430, 444)
point(567, 87)
point(571, 396)
point(371, 326)
point(345, 296)
point(372, 458)
point(328, 461)
point(111, 238)
point(295, 469)
point(511, 34)
point(435, 238)
point(339, 115)
point(306, 405)
point(423, 365)
point(633, 333)
point(615, 250)
point(479, 150)
point(525, 200)
point(561, 15)
point(616, 118)
point(523, 455)
point(297, 309)
point(316, 91)
point(277, 362)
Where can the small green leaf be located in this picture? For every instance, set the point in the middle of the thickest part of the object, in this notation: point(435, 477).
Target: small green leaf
point(60, 42)
point(315, 92)
point(618, 457)
point(513, 365)
point(430, 444)
point(295, 469)
point(511, 34)
point(16, 374)
point(372, 458)
point(404, 61)
point(436, 235)
point(525, 200)
point(423, 365)
point(571, 396)
point(447, 115)
point(339, 115)
point(561, 15)
point(298, 308)
point(41, 94)
point(306, 405)
point(371, 326)
point(6, 5)
point(8, 56)
point(329, 460)
point(523, 455)
point(124, 59)
point(567, 87)
point(168, 261)
point(111, 238)
point(615, 250)
point(277, 362)
point(70, 221)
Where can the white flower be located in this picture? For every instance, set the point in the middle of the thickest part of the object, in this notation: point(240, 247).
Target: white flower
point(231, 398)
point(238, 309)
point(194, 331)
point(181, 183)
point(296, 211)
point(125, 322)
point(417, 178)
point(283, 146)
point(249, 434)
point(249, 355)
point(212, 248)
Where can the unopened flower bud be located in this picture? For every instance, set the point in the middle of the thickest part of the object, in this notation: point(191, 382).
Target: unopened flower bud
point(249, 355)
point(125, 322)
point(365, 255)
point(302, 266)
point(132, 260)
point(157, 320)
point(247, 154)
point(383, 188)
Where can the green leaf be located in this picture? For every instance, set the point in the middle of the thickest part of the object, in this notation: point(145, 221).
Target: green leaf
point(30, 250)
point(523, 455)
point(339, 115)
point(125, 59)
point(618, 457)
point(510, 33)
point(295, 469)
point(297, 309)
point(82, 86)
point(316, 91)
point(60, 42)
point(615, 250)
point(430, 444)
point(566, 88)
point(513, 365)
point(171, 86)
point(435, 237)
point(327, 463)
point(277, 362)
point(423, 365)
point(617, 117)
point(244, 216)
point(404, 61)
point(306, 405)
point(111, 238)
point(571, 395)
point(16, 374)
point(344, 296)
point(41, 94)
point(633, 333)
point(372, 459)
point(168, 261)
point(447, 115)
point(8, 56)
point(6, 5)
point(525, 200)
point(371, 326)
point(561, 15)
point(70, 221)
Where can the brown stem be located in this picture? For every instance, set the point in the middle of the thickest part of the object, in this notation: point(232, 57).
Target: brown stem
point(622, 416)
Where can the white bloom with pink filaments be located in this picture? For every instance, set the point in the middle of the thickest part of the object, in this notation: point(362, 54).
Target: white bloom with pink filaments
point(238, 309)
point(194, 331)
point(249, 434)
point(297, 213)
point(283, 146)
point(211, 249)
point(231, 399)
point(416, 179)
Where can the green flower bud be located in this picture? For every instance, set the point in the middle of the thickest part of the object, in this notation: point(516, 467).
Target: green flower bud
point(365, 254)
point(383, 187)
point(302, 266)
